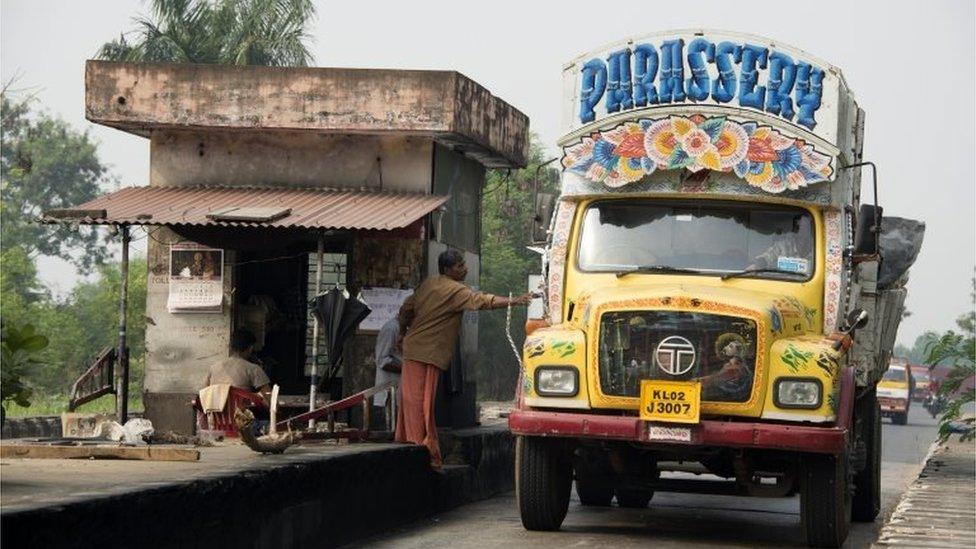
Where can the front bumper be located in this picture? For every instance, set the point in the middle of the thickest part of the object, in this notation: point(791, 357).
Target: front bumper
point(714, 433)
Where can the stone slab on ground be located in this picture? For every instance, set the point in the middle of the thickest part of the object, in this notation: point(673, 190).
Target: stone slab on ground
point(312, 495)
point(31, 426)
point(939, 508)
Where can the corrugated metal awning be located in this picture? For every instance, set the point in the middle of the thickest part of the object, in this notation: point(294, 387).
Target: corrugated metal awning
point(202, 206)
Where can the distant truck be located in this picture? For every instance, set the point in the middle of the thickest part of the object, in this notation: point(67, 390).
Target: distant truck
point(895, 392)
point(923, 382)
point(707, 264)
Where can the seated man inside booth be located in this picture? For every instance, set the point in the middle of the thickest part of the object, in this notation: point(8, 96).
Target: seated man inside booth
point(237, 370)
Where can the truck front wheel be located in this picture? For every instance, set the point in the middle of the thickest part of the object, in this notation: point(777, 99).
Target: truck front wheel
point(543, 479)
point(825, 499)
point(867, 482)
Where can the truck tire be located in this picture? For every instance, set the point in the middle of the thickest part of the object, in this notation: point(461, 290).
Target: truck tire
point(543, 479)
point(634, 498)
point(901, 418)
point(867, 482)
point(825, 499)
point(593, 494)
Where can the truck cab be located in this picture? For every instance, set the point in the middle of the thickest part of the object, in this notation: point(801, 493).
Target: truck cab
point(714, 301)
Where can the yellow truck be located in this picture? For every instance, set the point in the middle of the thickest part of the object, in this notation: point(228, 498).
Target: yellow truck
point(895, 392)
point(715, 300)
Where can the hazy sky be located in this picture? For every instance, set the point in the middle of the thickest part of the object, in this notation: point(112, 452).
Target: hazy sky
point(910, 64)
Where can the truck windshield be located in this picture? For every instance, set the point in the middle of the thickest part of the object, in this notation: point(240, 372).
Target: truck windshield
point(895, 374)
point(709, 237)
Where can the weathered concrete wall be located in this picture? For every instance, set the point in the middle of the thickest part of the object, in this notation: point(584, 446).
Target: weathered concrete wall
point(487, 120)
point(290, 159)
point(380, 262)
point(181, 347)
point(463, 180)
point(32, 426)
point(141, 97)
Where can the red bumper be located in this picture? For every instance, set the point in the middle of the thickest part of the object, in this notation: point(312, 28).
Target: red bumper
point(893, 405)
point(802, 438)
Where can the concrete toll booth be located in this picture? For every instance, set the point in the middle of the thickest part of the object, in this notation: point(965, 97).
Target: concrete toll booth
point(254, 169)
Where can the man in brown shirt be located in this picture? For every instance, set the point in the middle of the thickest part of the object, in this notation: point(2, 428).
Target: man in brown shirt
point(236, 369)
point(430, 320)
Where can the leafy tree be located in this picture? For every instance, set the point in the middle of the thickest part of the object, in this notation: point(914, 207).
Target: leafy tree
point(232, 32)
point(86, 321)
point(45, 164)
point(507, 210)
point(19, 285)
point(19, 348)
point(959, 351)
point(918, 352)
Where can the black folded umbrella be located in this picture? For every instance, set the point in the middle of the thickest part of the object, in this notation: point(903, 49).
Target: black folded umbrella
point(338, 318)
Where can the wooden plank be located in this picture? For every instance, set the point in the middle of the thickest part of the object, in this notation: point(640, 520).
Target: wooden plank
point(145, 453)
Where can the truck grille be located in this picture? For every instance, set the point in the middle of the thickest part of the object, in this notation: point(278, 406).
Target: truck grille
point(679, 346)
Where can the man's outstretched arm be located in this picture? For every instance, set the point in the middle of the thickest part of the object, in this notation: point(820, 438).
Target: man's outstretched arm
point(499, 302)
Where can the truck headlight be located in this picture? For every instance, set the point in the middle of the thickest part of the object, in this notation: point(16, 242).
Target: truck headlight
point(793, 392)
point(556, 381)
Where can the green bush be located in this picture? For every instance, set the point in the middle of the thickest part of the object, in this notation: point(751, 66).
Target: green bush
point(20, 345)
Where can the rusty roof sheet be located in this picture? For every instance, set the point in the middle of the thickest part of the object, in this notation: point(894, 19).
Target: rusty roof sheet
point(309, 208)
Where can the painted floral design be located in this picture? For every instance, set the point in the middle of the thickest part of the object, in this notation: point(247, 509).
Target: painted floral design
point(833, 266)
point(557, 258)
point(761, 155)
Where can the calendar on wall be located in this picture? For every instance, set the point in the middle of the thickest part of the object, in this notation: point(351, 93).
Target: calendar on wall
point(196, 279)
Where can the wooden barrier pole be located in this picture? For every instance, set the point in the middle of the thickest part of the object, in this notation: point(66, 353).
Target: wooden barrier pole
point(122, 391)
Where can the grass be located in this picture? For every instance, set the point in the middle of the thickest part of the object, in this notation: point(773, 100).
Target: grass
point(55, 404)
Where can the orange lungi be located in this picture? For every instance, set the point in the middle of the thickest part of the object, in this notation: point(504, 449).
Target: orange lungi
point(415, 414)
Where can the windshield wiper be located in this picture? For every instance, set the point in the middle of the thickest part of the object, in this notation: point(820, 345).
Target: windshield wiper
point(748, 272)
point(656, 269)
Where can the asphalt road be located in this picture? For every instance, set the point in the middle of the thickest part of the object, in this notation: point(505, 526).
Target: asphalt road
point(671, 520)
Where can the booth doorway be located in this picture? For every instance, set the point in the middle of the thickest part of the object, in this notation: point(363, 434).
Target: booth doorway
point(272, 294)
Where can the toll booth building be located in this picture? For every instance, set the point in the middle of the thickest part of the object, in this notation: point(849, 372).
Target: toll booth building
point(257, 172)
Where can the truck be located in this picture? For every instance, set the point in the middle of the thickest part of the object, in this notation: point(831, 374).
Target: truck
point(719, 303)
point(896, 391)
point(923, 382)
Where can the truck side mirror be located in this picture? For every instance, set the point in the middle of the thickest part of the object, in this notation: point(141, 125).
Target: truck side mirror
point(868, 230)
point(544, 204)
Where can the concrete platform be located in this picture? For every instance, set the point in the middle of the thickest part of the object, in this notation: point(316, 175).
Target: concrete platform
point(938, 509)
point(317, 495)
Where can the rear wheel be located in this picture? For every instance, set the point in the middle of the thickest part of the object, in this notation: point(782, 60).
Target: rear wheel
point(901, 418)
point(867, 482)
point(543, 478)
point(825, 499)
point(592, 473)
point(593, 494)
point(634, 498)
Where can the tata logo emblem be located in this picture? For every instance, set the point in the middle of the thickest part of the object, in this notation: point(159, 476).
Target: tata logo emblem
point(675, 355)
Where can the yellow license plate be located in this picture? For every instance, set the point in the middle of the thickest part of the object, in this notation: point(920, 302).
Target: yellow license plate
point(670, 401)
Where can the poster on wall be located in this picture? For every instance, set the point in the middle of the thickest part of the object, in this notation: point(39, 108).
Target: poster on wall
point(384, 304)
point(196, 279)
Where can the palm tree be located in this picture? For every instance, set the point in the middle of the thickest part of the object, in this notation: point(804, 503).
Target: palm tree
point(232, 32)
